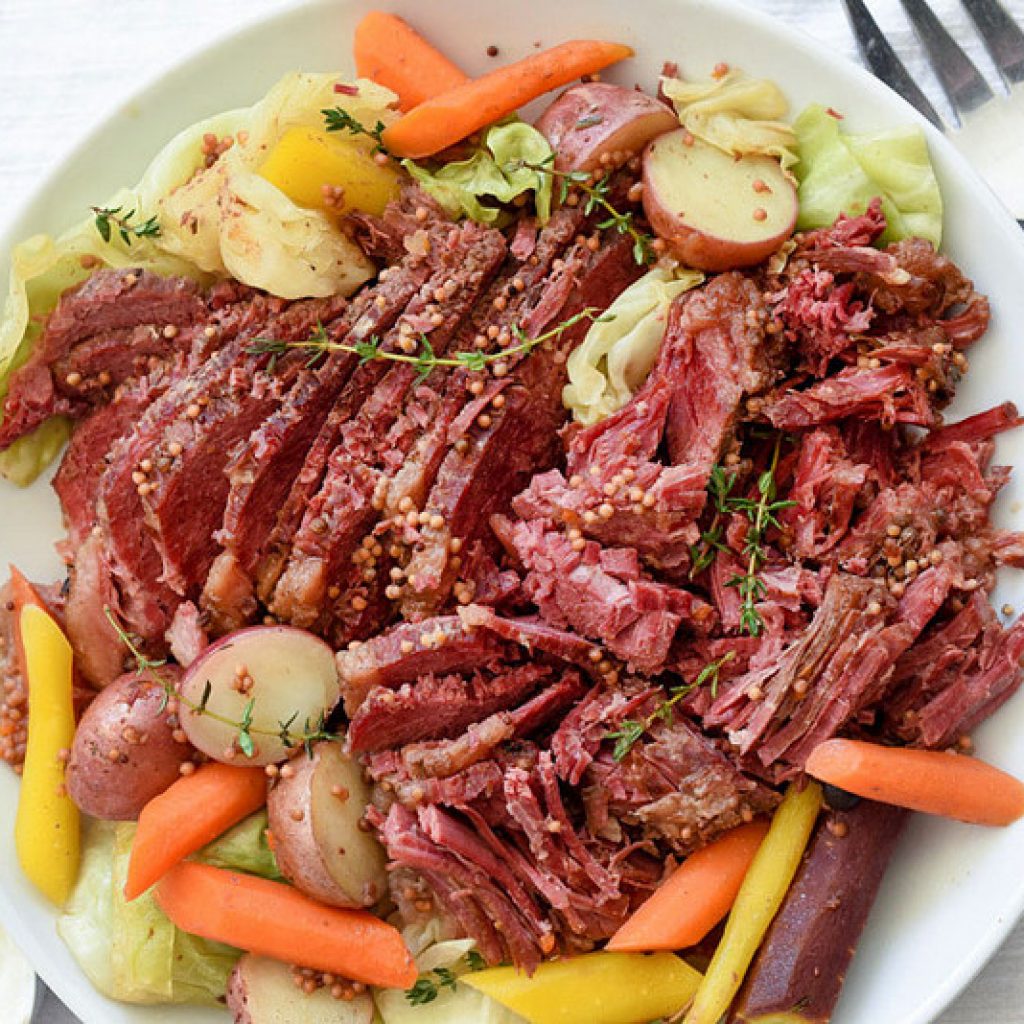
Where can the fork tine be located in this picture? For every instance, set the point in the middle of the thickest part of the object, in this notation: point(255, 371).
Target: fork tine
point(964, 85)
point(1003, 37)
point(882, 60)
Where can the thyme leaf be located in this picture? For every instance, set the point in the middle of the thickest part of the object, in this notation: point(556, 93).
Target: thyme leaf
point(337, 119)
point(596, 198)
point(631, 730)
point(424, 359)
point(111, 218)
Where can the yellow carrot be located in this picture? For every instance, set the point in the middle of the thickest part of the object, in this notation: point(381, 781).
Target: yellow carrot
point(757, 902)
point(599, 988)
point(46, 830)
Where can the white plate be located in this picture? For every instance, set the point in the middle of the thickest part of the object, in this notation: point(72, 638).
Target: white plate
point(953, 892)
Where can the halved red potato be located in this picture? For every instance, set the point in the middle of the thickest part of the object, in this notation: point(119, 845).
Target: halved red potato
point(594, 118)
point(716, 211)
point(315, 815)
point(276, 676)
point(125, 752)
point(263, 991)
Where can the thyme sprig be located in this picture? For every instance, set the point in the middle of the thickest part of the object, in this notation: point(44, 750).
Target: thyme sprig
point(109, 218)
point(429, 986)
point(425, 360)
point(761, 514)
point(631, 730)
point(336, 119)
point(244, 728)
point(597, 197)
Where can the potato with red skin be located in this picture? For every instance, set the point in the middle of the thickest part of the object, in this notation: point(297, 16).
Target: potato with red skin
point(124, 752)
point(314, 810)
point(716, 211)
point(799, 970)
point(595, 118)
point(263, 991)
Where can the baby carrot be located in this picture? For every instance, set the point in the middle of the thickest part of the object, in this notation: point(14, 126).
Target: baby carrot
point(273, 919)
point(923, 780)
point(390, 52)
point(191, 813)
point(696, 897)
point(446, 119)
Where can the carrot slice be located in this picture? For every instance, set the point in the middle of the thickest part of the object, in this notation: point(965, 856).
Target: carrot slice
point(189, 814)
point(697, 896)
point(275, 920)
point(392, 53)
point(923, 780)
point(451, 116)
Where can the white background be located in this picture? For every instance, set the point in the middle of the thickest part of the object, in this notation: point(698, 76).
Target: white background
point(64, 64)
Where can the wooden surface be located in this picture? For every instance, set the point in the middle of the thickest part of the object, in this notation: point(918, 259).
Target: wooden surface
point(65, 63)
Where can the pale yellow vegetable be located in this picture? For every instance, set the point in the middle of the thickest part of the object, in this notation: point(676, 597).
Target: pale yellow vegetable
point(757, 903)
point(599, 988)
point(306, 159)
point(621, 347)
point(46, 831)
point(737, 114)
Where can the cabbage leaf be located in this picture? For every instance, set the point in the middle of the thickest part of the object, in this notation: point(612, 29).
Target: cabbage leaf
point(842, 173)
point(495, 170)
point(737, 114)
point(131, 951)
point(620, 348)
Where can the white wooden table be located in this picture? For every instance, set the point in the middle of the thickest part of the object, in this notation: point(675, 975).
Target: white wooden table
point(65, 63)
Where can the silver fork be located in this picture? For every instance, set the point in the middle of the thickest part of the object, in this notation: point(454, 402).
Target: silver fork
point(988, 128)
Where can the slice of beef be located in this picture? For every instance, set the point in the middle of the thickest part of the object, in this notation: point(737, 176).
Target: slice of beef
point(276, 472)
point(146, 601)
point(119, 316)
point(185, 493)
point(889, 394)
point(716, 339)
point(498, 454)
point(343, 511)
point(433, 707)
point(604, 595)
point(410, 650)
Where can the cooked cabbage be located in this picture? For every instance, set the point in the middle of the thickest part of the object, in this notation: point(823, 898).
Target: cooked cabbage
point(619, 350)
point(131, 951)
point(227, 219)
point(458, 1005)
point(495, 170)
point(841, 173)
point(738, 114)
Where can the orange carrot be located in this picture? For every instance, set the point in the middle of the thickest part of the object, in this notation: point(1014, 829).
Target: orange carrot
point(923, 780)
point(696, 897)
point(23, 593)
point(451, 116)
point(189, 814)
point(390, 52)
point(273, 919)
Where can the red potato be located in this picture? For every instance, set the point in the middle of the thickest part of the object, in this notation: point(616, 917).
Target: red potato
point(314, 818)
point(263, 991)
point(715, 211)
point(280, 674)
point(595, 118)
point(798, 972)
point(124, 752)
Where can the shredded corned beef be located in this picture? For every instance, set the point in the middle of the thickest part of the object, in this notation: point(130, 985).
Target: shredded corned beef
point(569, 656)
